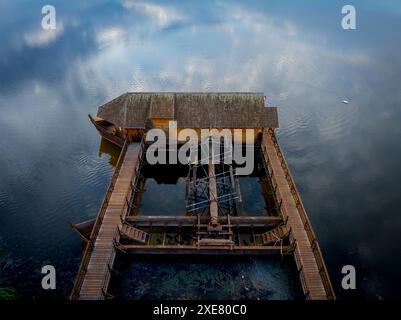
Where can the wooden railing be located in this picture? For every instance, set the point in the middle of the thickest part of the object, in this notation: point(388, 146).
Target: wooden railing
point(301, 210)
point(110, 263)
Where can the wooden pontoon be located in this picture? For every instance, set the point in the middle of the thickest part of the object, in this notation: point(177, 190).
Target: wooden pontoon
point(212, 225)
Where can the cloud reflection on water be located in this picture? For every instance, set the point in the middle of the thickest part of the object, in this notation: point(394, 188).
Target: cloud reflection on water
point(344, 157)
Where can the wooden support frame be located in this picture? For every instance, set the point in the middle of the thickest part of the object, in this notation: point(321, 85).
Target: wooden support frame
point(206, 250)
point(303, 245)
point(186, 221)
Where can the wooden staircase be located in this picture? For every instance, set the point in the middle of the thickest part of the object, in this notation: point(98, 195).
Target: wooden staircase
point(134, 233)
point(274, 235)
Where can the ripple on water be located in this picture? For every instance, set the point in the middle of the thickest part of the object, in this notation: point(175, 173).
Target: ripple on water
point(308, 132)
point(338, 122)
point(299, 122)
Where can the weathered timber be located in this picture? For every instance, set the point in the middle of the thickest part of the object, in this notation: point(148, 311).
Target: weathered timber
point(134, 233)
point(93, 280)
point(314, 279)
point(213, 208)
point(105, 133)
point(129, 117)
point(189, 221)
point(215, 242)
point(190, 110)
point(276, 235)
point(84, 228)
point(206, 250)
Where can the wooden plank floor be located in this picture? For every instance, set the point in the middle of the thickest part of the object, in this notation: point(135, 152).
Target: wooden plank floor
point(303, 251)
point(103, 253)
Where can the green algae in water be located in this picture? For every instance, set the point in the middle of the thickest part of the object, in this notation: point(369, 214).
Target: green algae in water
point(6, 293)
point(202, 277)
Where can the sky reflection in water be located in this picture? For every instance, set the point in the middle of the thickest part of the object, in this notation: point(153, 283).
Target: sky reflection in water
point(345, 158)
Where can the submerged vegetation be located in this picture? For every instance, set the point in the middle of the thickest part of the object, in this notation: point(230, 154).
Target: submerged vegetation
point(253, 278)
point(6, 293)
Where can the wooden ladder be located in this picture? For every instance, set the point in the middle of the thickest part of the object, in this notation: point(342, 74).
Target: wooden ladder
point(277, 234)
point(134, 233)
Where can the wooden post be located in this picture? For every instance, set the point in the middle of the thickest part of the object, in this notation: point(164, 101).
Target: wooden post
point(214, 214)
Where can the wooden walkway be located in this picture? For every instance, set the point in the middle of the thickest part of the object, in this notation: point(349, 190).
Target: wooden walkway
point(94, 275)
point(312, 270)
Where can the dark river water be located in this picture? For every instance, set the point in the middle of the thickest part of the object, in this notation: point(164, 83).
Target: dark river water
point(345, 158)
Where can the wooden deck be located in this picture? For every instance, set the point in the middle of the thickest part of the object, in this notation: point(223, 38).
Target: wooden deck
point(312, 270)
point(288, 232)
point(94, 275)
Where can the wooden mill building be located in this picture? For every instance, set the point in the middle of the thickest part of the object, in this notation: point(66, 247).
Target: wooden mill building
point(213, 222)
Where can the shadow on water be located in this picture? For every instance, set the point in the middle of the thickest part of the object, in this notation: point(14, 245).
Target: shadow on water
point(111, 150)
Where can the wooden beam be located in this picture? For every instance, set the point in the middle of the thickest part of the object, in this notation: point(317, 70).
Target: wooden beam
point(188, 221)
point(206, 250)
point(214, 213)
